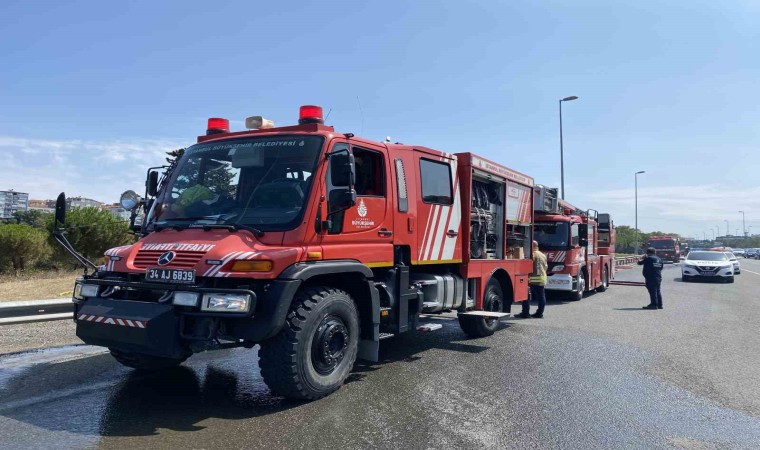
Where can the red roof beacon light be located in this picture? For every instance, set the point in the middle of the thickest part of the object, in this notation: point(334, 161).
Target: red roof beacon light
point(217, 126)
point(310, 114)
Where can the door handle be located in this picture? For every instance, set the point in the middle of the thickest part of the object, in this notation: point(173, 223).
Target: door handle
point(452, 233)
point(385, 233)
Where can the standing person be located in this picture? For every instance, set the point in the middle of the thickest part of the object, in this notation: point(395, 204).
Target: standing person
point(537, 283)
point(652, 278)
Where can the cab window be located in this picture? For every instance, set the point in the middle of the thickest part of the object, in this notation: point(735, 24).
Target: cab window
point(436, 182)
point(574, 235)
point(370, 180)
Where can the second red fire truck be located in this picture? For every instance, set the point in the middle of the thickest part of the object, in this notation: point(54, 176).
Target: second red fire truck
point(579, 245)
point(311, 243)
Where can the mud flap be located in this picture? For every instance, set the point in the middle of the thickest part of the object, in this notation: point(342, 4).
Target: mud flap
point(141, 327)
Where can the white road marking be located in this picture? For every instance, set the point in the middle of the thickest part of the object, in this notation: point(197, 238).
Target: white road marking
point(746, 270)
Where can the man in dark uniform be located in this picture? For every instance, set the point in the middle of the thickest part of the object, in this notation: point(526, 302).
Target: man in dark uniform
point(652, 278)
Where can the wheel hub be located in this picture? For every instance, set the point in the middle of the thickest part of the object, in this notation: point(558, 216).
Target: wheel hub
point(329, 346)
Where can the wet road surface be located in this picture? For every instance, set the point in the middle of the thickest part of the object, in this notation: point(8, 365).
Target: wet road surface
point(599, 373)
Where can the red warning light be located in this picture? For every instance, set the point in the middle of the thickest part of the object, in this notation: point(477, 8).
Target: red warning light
point(217, 125)
point(310, 114)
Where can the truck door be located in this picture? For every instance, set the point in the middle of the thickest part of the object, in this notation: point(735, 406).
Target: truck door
point(439, 211)
point(365, 231)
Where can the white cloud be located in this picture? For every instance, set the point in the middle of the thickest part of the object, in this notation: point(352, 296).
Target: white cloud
point(94, 169)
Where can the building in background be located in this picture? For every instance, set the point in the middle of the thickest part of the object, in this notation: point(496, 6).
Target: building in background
point(42, 205)
point(117, 211)
point(11, 202)
point(82, 202)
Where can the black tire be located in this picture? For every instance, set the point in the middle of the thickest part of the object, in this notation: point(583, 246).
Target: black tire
point(685, 278)
point(730, 279)
point(143, 362)
point(580, 288)
point(605, 281)
point(493, 300)
point(292, 366)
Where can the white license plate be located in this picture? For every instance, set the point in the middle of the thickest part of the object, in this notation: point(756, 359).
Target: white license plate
point(180, 276)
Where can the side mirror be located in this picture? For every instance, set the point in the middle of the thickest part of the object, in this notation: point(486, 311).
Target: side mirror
point(129, 200)
point(152, 183)
point(342, 169)
point(60, 210)
point(341, 198)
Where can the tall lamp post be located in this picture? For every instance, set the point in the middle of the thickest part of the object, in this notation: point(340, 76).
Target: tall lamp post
point(744, 227)
point(636, 213)
point(561, 149)
point(727, 232)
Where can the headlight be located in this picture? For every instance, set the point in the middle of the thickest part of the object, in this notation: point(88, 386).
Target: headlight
point(226, 302)
point(82, 291)
point(558, 268)
point(185, 298)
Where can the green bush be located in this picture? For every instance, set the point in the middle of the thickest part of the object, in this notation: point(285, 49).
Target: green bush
point(22, 246)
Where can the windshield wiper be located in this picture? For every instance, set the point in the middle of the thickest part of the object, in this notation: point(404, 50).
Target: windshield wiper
point(232, 227)
point(158, 227)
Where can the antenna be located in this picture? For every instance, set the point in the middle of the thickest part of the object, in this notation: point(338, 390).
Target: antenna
point(328, 114)
point(361, 113)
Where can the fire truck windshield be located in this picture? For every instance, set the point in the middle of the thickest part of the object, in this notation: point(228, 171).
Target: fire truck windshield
point(260, 182)
point(552, 235)
point(662, 244)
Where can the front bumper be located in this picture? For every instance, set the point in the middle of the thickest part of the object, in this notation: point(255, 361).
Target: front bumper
point(723, 272)
point(560, 282)
point(160, 328)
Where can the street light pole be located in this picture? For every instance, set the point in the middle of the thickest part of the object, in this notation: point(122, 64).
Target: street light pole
point(561, 149)
point(744, 227)
point(636, 213)
point(727, 232)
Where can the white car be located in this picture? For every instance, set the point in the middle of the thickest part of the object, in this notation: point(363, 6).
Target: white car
point(709, 265)
point(735, 261)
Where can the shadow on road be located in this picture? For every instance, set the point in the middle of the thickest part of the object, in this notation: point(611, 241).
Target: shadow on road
point(631, 309)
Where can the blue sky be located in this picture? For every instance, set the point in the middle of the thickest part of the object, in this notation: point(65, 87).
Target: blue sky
point(92, 92)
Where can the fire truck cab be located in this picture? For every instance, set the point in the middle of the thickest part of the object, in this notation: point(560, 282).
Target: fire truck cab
point(313, 244)
point(579, 245)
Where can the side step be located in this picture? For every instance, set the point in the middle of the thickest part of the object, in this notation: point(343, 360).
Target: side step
point(489, 314)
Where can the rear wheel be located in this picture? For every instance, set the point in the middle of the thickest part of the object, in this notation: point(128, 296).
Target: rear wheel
point(141, 361)
point(493, 300)
point(605, 281)
point(316, 349)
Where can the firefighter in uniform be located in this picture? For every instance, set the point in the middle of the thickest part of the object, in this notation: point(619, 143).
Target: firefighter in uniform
point(537, 283)
point(652, 278)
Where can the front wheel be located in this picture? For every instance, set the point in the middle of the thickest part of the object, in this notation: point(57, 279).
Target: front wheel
point(685, 278)
point(316, 349)
point(577, 295)
point(605, 281)
point(730, 279)
point(143, 362)
point(493, 301)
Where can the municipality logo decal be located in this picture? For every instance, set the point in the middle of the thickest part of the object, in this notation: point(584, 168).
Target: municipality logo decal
point(166, 258)
point(362, 210)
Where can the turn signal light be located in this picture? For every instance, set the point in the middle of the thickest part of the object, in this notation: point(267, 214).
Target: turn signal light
point(252, 266)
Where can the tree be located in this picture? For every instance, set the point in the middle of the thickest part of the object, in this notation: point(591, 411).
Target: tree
point(21, 246)
point(34, 218)
point(91, 232)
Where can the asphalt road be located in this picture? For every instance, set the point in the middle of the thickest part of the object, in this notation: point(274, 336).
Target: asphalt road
point(599, 373)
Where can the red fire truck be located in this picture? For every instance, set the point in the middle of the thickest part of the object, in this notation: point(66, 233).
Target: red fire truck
point(311, 243)
point(579, 245)
point(666, 247)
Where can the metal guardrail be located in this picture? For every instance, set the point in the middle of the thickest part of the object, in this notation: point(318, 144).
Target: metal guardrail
point(35, 311)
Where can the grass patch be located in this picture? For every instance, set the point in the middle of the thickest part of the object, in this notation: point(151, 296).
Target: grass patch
point(38, 286)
